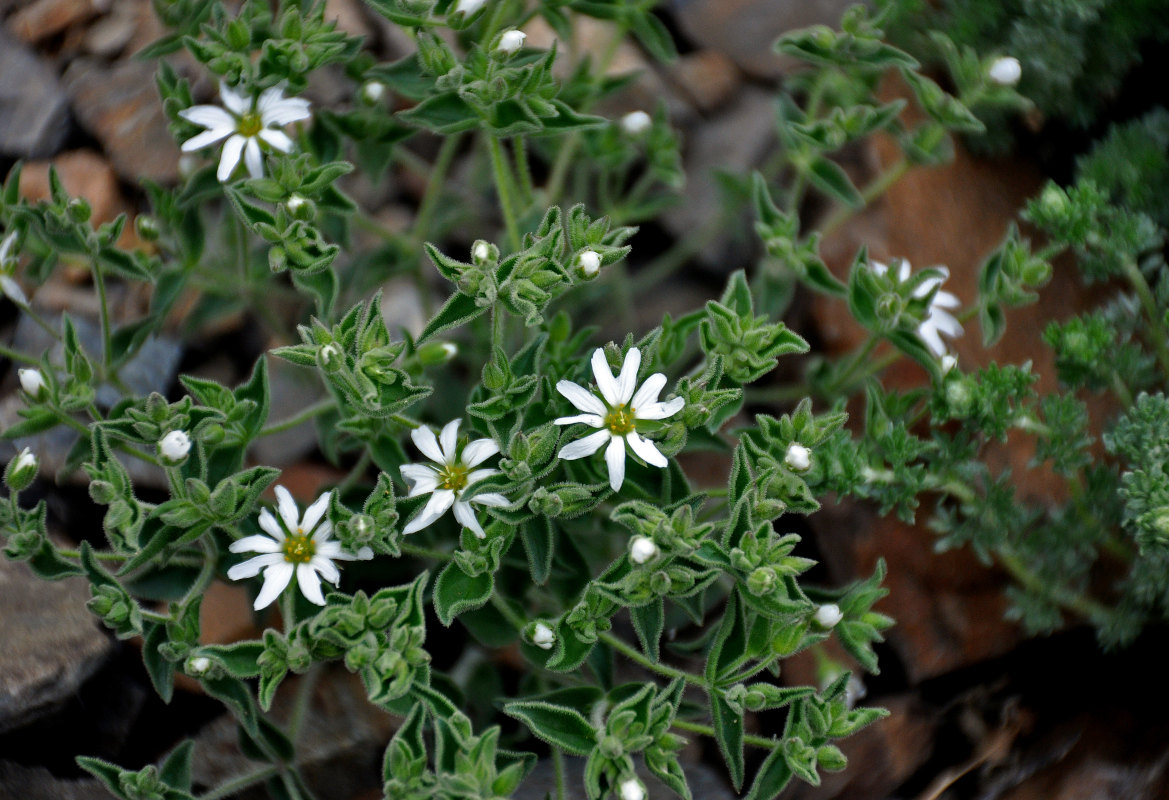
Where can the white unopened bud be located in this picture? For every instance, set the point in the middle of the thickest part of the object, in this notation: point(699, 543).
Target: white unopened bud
point(1005, 71)
point(198, 665)
point(481, 251)
point(642, 550)
point(948, 363)
point(33, 382)
point(469, 7)
point(798, 457)
point(21, 471)
point(589, 262)
point(373, 91)
point(632, 789)
point(188, 163)
point(543, 636)
point(330, 356)
point(175, 446)
point(828, 616)
point(636, 123)
point(511, 41)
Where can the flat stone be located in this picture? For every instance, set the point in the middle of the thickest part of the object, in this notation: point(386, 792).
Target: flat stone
point(84, 173)
point(293, 389)
point(41, 19)
point(34, 111)
point(110, 35)
point(51, 642)
point(707, 78)
point(119, 104)
point(37, 783)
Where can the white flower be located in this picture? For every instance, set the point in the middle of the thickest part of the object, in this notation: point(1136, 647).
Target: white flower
point(469, 7)
point(25, 461)
point(296, 202)
point(510, 41)
point(245, 124)
point(1005, 71)
point(481, 251)
point(373, 91)
point(175, 446)
point(948, 363)
point(8, 284)
point(300, 545)
point(446, 483)
point(589, 262)
point(636, 123)
point(938, 320)
point(632, 789)
point(798, 457)
point(198, 665)
point(543, 636)
point(616, 413)
point(642, 549)
point(828, 615)
point(32, 381)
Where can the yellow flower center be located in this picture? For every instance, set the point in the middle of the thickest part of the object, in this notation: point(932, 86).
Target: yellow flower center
point(299, 548)
point(620, 421)
point(452, 477)
point(250, 124)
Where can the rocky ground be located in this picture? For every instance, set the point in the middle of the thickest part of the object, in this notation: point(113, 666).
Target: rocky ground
point(978, 711)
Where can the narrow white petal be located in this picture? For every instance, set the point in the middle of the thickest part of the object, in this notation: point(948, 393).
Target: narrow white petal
point(310, 583)
point(492, 499)
point(582, 398)
point(270, 525)
point(421, 521)
point(427, 444)
point(480, 474)
point(627, 380)
point(449, 440)
point(238, 102)
point(213, 118)
point(419, 478)
point(253, 158)
point(205, 139)
point(276, 578)
point(293, 109)
point(439, 502)
point(903, 271)
point(270, 98)
point(289, 513)
point(661, 410)
point(646, 450)
point(945, 322)
point(326, 567)
point(12, 289)
point(229, 158)
point(594, 420)
point(466, 517)
point(584, 447)
point(604, 378)
point(313, 514)
point(252, 567)
point(322, 532)
point(6, 246)
point(945, 300)
point(615, 460)
point(278, 139)
point(932, 340)
point(255, 544)
point(478, 451)
point(649, 391)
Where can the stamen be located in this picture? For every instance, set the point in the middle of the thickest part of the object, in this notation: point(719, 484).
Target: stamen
point(250, 124)
point(452, 477)
point(299, 549)
point(620, 421)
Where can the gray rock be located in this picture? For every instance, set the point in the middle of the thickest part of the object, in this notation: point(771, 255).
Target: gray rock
point(34, 111)
point(705, 783)
point(51, 642)
point(37, 783)
point(293, 389)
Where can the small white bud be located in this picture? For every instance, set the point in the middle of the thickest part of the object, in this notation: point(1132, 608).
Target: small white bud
point(26, 460)
point(328, 354)
point(828, 616)
point(632, 789)
point(636, 123)
point(198, 665)
point(798, 457)
point(21, 471)
point(295, 202)
point(948, 363)
point(175, 446)
point(450, 348)
point(481, 251)
point(642, 550)
point(543, 636)
point(469, 7)
point(511, 41)
point(854, 691)
point(1005, 71)
point(33, 382)
point(589, 262)
point(372, 92)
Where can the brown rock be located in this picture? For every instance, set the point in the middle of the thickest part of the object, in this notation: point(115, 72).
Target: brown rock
point(708, 79)
point(44, 18)
point(110, 35)
point(120, 106)
point(84, 174)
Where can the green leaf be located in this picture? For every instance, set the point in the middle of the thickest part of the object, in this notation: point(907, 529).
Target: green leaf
point(558, 725)
point(539, 543)
point(240, 658)
point(828, 177)
point(458, 310)
point(772, 778)
point(176, 770)
point(445, 113)
point(455, 592)
point(160, 670)
point(648, 622)
point(728, 731)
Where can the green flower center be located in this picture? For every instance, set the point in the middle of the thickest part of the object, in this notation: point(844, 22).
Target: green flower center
point(620, 421)
point(250, 124)
point(300, 548)
point(452, 477)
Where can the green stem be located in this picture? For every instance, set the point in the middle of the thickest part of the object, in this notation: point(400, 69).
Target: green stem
point(304, 415)
point(239, 784)
point(523, 170)
point(100, 555)
point(424, 552)
point(304, 696)
point(878, 187)
point(706, 730)
point(206, 573)
point(15, 355)
point(662, 669)
point(39, 320)
point(1080, 604)
point(558, 764)
point(509, 613)
point(1149, 303)
point(504, 185)
point(288, 608)
point(857, 361)
point(434, 185)
point(99, 281)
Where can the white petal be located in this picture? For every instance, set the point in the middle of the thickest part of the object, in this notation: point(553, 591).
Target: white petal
point(310, 583)
point(253, 158)
point(932, 340)
point(276, 110)
point(313, 514)
point(322, 532)
point(238, 102)
point(276, 578)
point(421, 521)
point(449, 440)
point(270, 525)
point(426, 443)
point(493, 499)
point(646, 450)
point(289, 513)
point(277, 139)
point(604, 378)
point(945, 300)
point(326, 567)
point(594, 420)
point(270, 98)
point(6, 245)
point(584, 447)
point(229, 158)
point(466, 517)
point(946, 323)
point(255, 544)
point(615, 459)
point(582, 398)
point(478, 451)
point(252, 567)
point(420, 479)
point(661, 410)
point(627, 380)
point(649, 391)
point(12, 289)
point(439, 502)
point(205, 139)
point(480, 474)
point(903, 271)
point(213, 118)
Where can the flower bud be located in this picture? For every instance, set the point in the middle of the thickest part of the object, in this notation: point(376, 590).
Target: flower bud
point(828, 616)
point(588, 263)
point(330, 357)
point(632, 789)
point(948, 363)
point(510, 41)
point(1005, 71)
point(79, 209)
point(147, 227)
point(372, 92)
point(635, 123)
point(481, 252)
point(761, 581)
point(433, 354)
point(642, 550)
point(469, 7)
point(543, 636)
point(174, 447)
point(300, 207)
point(33, 383)
point(198, 666)
point(21, 471)
point(798, 458)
